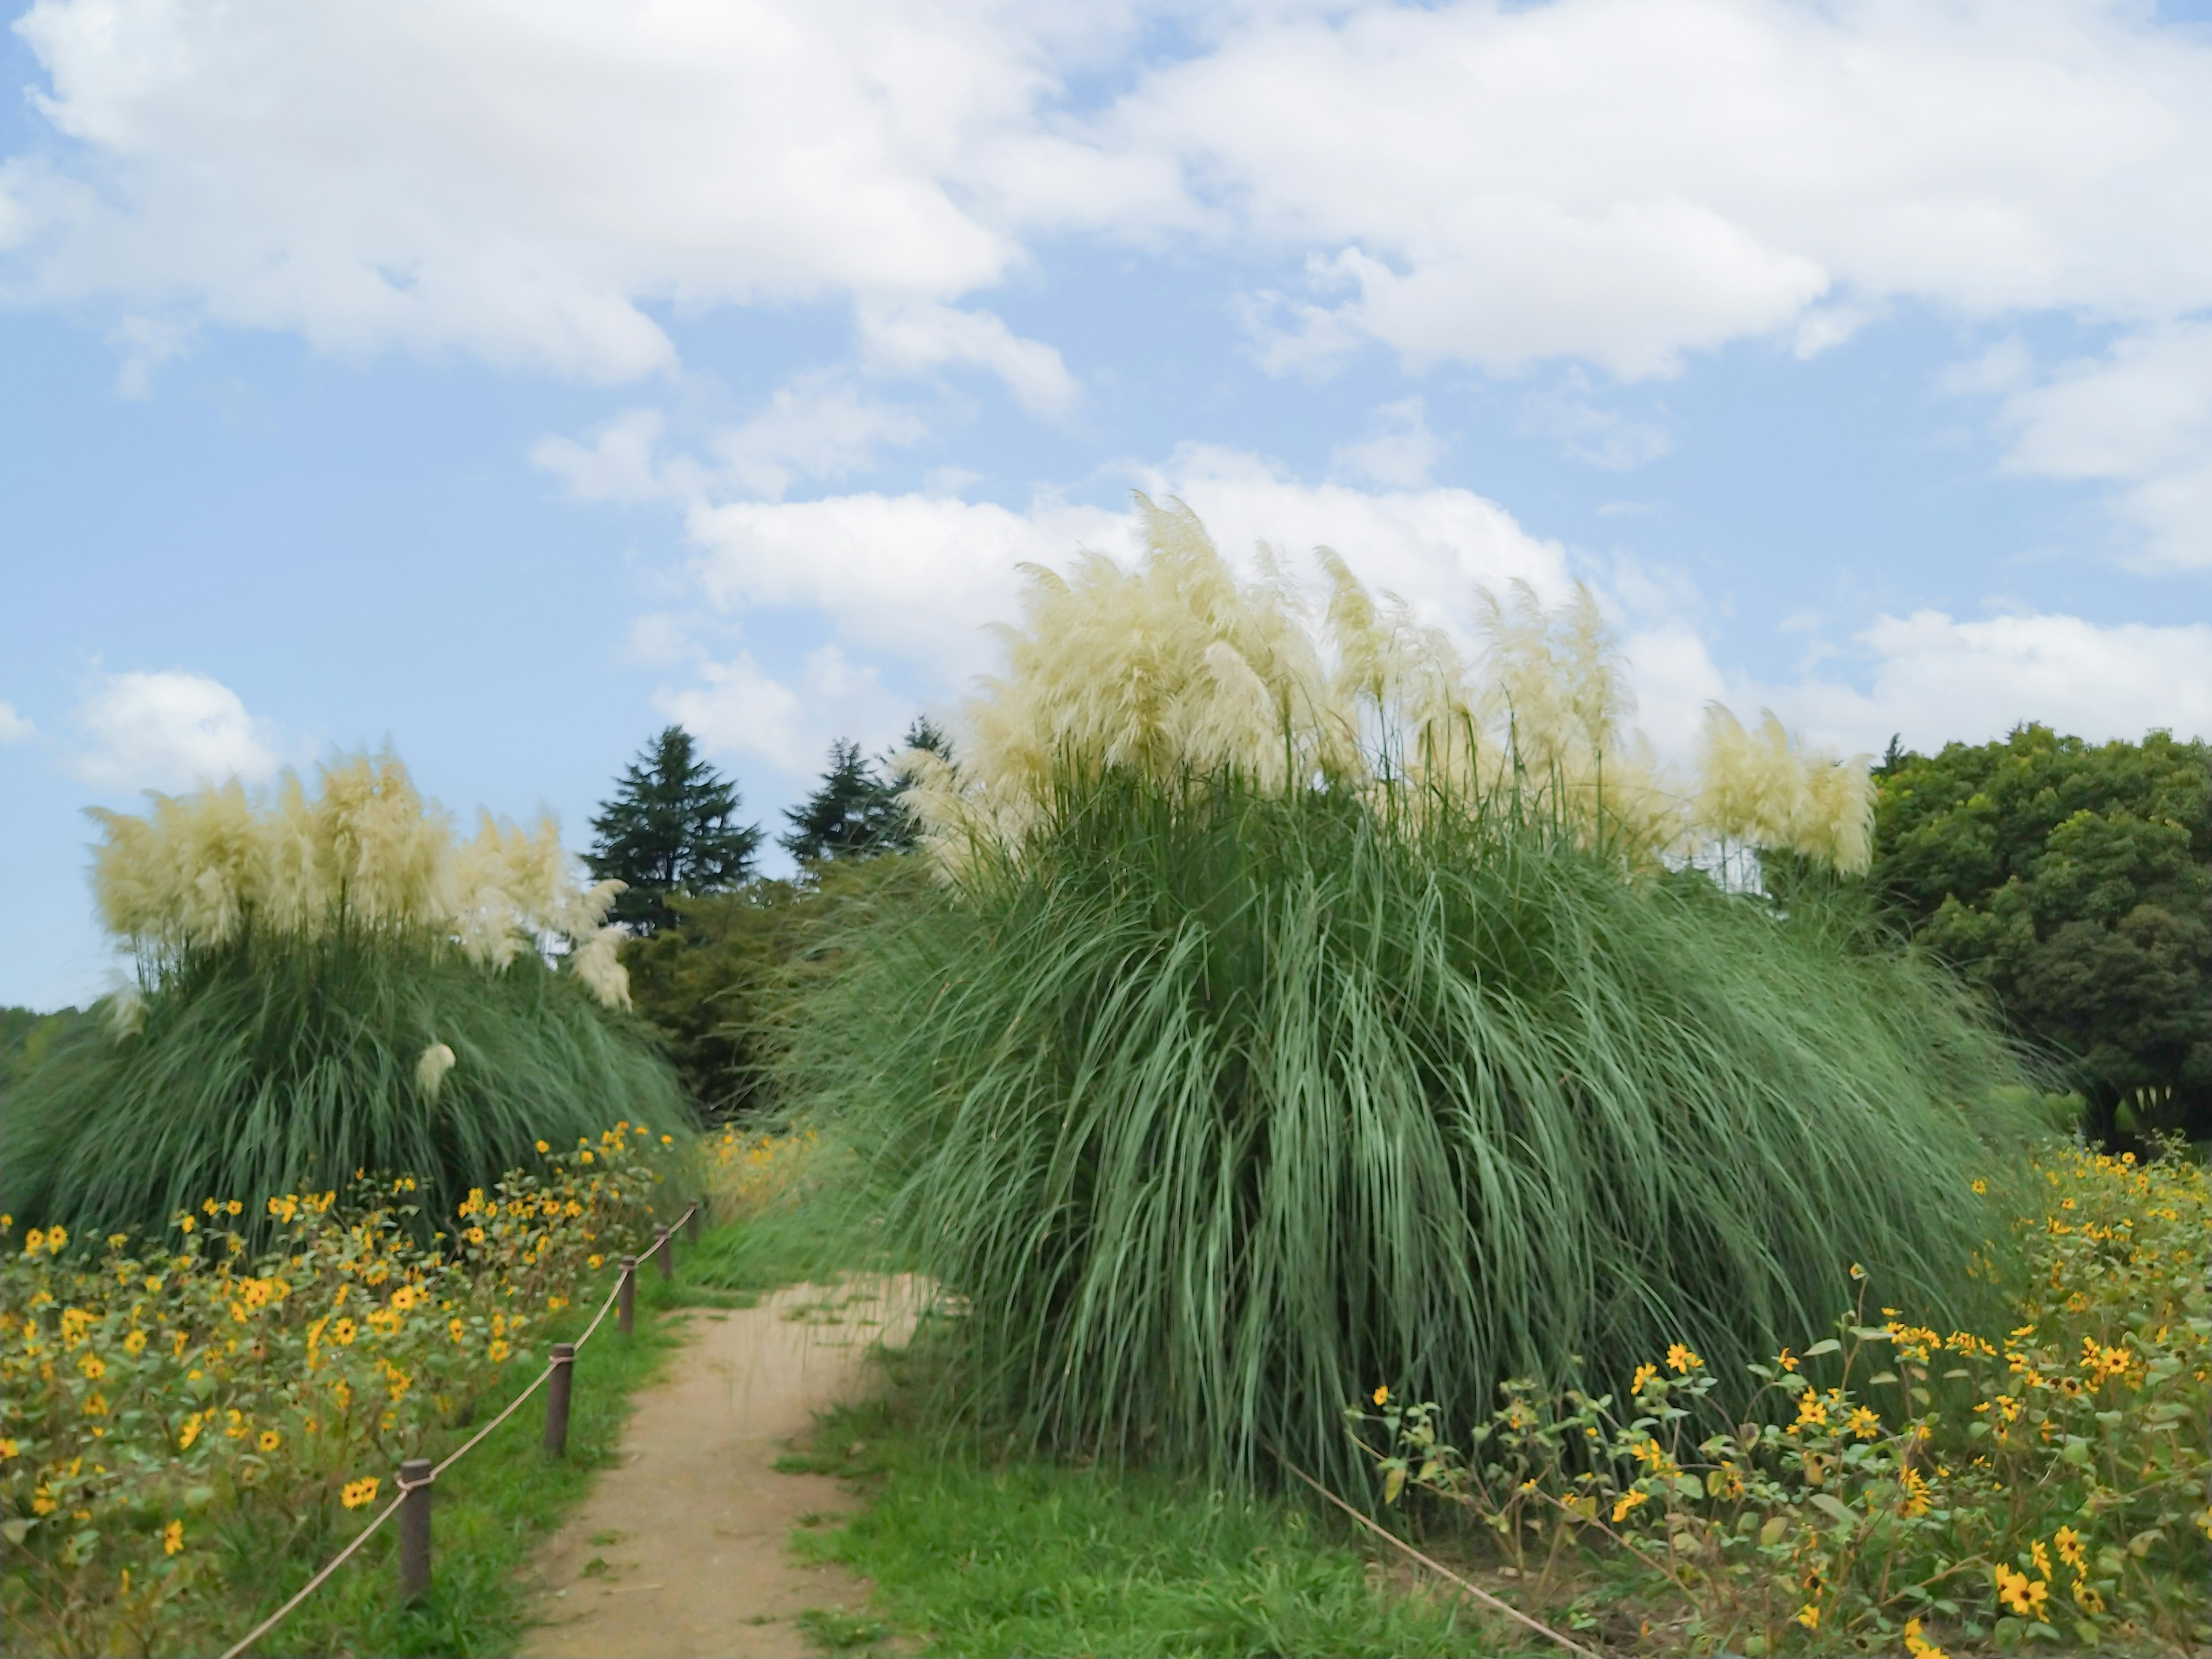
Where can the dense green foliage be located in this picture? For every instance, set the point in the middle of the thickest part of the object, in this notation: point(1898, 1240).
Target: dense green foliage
point(2073, 880)
point(27, 1037)
point(280, 1066)
point(715, 983)
point(671, 827)
point(1218, 1109)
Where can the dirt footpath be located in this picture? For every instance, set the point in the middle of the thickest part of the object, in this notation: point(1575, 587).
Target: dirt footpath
point(682, 1547)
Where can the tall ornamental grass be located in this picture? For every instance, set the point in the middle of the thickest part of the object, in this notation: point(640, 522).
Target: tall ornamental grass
point(325, 985)
point(1215, 1110)
point(1311, 999)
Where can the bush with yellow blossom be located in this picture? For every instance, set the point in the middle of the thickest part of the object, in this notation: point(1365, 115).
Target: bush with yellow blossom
point(1891, 1487)
point(153, 1393)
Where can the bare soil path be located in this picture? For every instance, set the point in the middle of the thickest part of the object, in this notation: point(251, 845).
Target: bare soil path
point(682, 1547)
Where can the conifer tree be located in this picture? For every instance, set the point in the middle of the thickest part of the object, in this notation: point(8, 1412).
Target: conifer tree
point(671, 827)
point(855, 811)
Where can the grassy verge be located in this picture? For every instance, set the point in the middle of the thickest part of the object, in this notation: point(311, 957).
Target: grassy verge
point(494, 1509)
point(976, 1554)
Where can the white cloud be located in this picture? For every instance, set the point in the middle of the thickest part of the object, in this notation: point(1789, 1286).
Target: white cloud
point(1626, 181)
point(912, 336)
point(1615, 181)
point(15, 727)
point(2139, 418)
point(618, 465)
point(1398, 448)
point(1934, 679)
point(737, 708)
point(1588, 432)
point(167, 731)
point(519, 182)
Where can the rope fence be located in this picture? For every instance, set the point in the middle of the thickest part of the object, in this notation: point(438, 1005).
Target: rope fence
point(411, 1501)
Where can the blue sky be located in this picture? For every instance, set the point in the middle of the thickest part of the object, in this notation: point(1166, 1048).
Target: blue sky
point(506, 381)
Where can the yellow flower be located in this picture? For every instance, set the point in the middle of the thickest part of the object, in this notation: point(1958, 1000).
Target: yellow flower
point(1382, 1394)
point(594, 1261)
point(2042, 1557)
point(2070, 1546)
point(93, 1366)
point(1644, 1374)
point(1862, 1423)
point(543, 1147)
point(270, 1439)
point(1980, 1186)
point(7, 1446)
point(1918, 1645)
point(1810, 1615)
point(358, 1492)
point(186, 1223)
point(1628, 1501)
point(668, 1140)
point(56, 1238)
point(498, 1352)
point(455, 1329)
point(1680, 1358)
point(172, 1538)
point(135, 1343)
point(190, 1431)
point(2012, 1590)
point(342, 1332)
point(1787, 1360)
point(586, 1155)
point(1810, 1410)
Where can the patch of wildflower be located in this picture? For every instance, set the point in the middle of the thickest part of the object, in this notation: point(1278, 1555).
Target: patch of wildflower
point(152, 1387)
point(2041, 1488)
point(743, 1173)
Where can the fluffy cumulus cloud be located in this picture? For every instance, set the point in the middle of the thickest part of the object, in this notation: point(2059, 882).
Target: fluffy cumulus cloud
point(1932, 679)
point(168, 731)
point(1620, 181)
point(1624, 180)
point(527, 182)
point(2139, 418)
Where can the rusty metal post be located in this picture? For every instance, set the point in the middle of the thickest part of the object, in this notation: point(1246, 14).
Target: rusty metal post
point(556, 1398)
point(415, 1530)
point(691, 1226)
point(665, 1249)
point(626, 1295)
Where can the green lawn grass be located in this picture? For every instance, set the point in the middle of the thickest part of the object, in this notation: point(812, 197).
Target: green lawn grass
point(493, 1510)
point(976, 1554)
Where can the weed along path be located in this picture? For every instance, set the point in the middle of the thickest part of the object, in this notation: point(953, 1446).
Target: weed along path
point(681, 1548)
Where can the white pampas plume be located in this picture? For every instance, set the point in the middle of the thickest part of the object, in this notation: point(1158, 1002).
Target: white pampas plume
point(126, 1011)
point(430, 1071)
point(601, 970)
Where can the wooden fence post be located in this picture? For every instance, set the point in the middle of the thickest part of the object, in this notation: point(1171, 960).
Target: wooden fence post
point(556, 1398)
point(665, 1249)
point(626, 1295)
point(414, 1531)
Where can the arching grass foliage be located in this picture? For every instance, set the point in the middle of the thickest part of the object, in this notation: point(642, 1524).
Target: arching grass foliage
point(280, 1065)
point(1216, 1108)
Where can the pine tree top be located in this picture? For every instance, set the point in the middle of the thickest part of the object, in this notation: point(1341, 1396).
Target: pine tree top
point(670, 827)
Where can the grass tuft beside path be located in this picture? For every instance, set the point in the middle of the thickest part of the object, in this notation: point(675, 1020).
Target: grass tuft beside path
point(978, 1556)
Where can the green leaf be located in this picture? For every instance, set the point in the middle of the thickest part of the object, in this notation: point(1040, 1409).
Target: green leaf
point(1833, 1507)
point(16, 1528)
point(1777, 1528)
point(1392, 1484)
point(1827, 1345)
point(2075, 1451)
point(1881, 1377)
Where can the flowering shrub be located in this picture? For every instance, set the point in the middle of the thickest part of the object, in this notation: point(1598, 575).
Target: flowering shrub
point(1893, 1483)
point(149, 1396)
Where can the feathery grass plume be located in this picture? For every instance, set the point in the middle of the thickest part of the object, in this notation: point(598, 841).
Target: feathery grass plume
point(1306, 1006)
point(430, 1070)
point(328, 982)
point(1177, 668)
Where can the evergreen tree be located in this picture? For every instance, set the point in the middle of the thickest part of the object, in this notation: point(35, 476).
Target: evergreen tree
point(671, 827)
point(855, 811)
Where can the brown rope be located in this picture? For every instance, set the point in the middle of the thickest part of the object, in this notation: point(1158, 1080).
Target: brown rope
point(1437, 1567)
point(405, 1486)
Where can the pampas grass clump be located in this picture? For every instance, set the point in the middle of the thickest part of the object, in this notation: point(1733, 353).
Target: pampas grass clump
point(1302, 1009)
point(327, 983)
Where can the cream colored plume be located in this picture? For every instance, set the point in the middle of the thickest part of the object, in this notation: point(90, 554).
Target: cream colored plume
point(1178, 667)
point(430, 1070)
point(366, 853)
